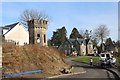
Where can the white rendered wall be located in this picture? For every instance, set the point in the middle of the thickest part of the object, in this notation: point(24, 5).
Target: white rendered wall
point(18, 34)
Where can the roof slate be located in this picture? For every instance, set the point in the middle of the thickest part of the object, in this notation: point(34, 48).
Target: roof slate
point(9, 27)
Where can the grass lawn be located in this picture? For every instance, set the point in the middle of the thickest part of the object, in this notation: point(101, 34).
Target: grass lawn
point(70, 56)
point(117, 61)
point(86, 59)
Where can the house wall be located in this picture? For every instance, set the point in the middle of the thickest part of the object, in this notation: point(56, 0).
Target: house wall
point(66, 47)
point(77, 46)
point(82, 49)
point(90, 49)
point(18, 34)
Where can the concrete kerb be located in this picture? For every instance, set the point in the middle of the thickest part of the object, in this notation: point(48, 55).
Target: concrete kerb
point(67, 74)
point(117, 76)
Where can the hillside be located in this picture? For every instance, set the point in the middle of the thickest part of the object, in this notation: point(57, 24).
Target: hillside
point(31, 57)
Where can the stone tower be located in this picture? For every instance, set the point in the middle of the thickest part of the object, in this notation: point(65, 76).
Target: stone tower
point(38, 32)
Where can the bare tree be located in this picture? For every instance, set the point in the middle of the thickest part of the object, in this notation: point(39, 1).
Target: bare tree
point(82, 32)
point(101, 32)
point(86, 33)
point(30, 14)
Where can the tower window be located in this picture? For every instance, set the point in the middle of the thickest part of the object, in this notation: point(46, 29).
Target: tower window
point(38, 35)
point(44, 38)
point(46, 22)
point(43, 21)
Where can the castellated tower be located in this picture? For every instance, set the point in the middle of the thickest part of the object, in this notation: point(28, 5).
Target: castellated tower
point(38, 32)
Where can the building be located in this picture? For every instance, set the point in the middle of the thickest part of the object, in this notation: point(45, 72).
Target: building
point(80, 46)
point(68, 47)
point(15, 33)
point(91, 49)
point(38, 32)
point(71, 46)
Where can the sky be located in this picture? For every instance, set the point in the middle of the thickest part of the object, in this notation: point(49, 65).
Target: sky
point(82, 15)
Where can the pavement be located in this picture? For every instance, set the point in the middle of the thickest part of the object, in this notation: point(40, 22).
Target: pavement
point(75, 70)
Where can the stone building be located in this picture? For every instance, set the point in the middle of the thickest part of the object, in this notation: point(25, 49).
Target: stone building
point(79, 46)
point(67, 47)
point(38, 32)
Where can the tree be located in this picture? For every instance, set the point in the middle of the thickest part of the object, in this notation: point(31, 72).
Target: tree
point(49, 42)
point(86, 33)
point(95, 42)
point(101, 32)
point(30, 14)
point(59, 36)
point(75, 34)
point(109, 42)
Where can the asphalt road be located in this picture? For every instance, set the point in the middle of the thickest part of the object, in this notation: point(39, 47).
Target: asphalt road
point(91, 72)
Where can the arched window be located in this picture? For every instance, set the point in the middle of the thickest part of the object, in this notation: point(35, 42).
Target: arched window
point(38, 40)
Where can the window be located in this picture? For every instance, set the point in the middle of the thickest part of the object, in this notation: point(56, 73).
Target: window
point(44, 38)
point(102, 55)
point(46, 22)
point(81, 42)
point(38, 40)
point(107, 55)
point(43, 21)
point(38, 35)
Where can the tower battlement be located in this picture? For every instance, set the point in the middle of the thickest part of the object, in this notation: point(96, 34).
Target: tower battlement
point(38, 23)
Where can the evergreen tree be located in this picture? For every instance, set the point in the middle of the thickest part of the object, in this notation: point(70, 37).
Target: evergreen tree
point(59, 36)
point(49, 42)
point(75, 34)
point(109, 42)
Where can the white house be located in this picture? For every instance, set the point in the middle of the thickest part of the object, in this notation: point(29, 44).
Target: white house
point(17, 33)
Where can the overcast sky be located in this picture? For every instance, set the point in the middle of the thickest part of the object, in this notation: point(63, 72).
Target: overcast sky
point(82, 15)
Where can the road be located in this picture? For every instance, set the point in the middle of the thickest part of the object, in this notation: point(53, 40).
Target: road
point(91, 72)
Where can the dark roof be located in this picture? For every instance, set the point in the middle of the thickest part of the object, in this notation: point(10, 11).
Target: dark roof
point(71, 41)
point(80, 41)
point(9, 27)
